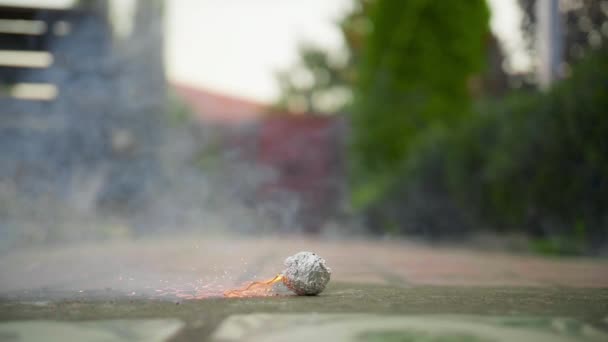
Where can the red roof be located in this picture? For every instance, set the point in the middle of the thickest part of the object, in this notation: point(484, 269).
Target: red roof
point(219, 108)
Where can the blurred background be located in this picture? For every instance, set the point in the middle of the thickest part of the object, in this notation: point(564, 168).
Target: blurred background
point(465, 122)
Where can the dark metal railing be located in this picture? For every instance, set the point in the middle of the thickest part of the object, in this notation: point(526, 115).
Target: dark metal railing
point(26, 33)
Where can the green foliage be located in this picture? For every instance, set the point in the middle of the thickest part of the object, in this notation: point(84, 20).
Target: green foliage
point(544, 162)
point(413, 76)
point(322, 81)
point(424, 161)
point(531, 162)
point(319, 83)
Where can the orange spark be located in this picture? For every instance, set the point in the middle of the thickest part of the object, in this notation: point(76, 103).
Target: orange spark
point(255, 289)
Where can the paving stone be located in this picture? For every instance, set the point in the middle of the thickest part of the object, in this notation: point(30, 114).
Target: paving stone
point(427, 328)
point(138, 265)
point(106, 330)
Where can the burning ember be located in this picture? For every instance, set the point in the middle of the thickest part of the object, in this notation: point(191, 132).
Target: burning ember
point(196, 290)
point(306, 275)
point(255, 289)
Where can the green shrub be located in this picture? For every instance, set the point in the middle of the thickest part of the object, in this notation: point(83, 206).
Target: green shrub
point(415, 66)
point(531, 162)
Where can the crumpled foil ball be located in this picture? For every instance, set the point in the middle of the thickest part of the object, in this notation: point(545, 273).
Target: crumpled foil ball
point(306, 274)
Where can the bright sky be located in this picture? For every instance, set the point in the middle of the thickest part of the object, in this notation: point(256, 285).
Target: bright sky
point(236, 46)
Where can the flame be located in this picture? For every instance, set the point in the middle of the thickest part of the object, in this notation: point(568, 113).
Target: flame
point(201, 290)
point(255, 289)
